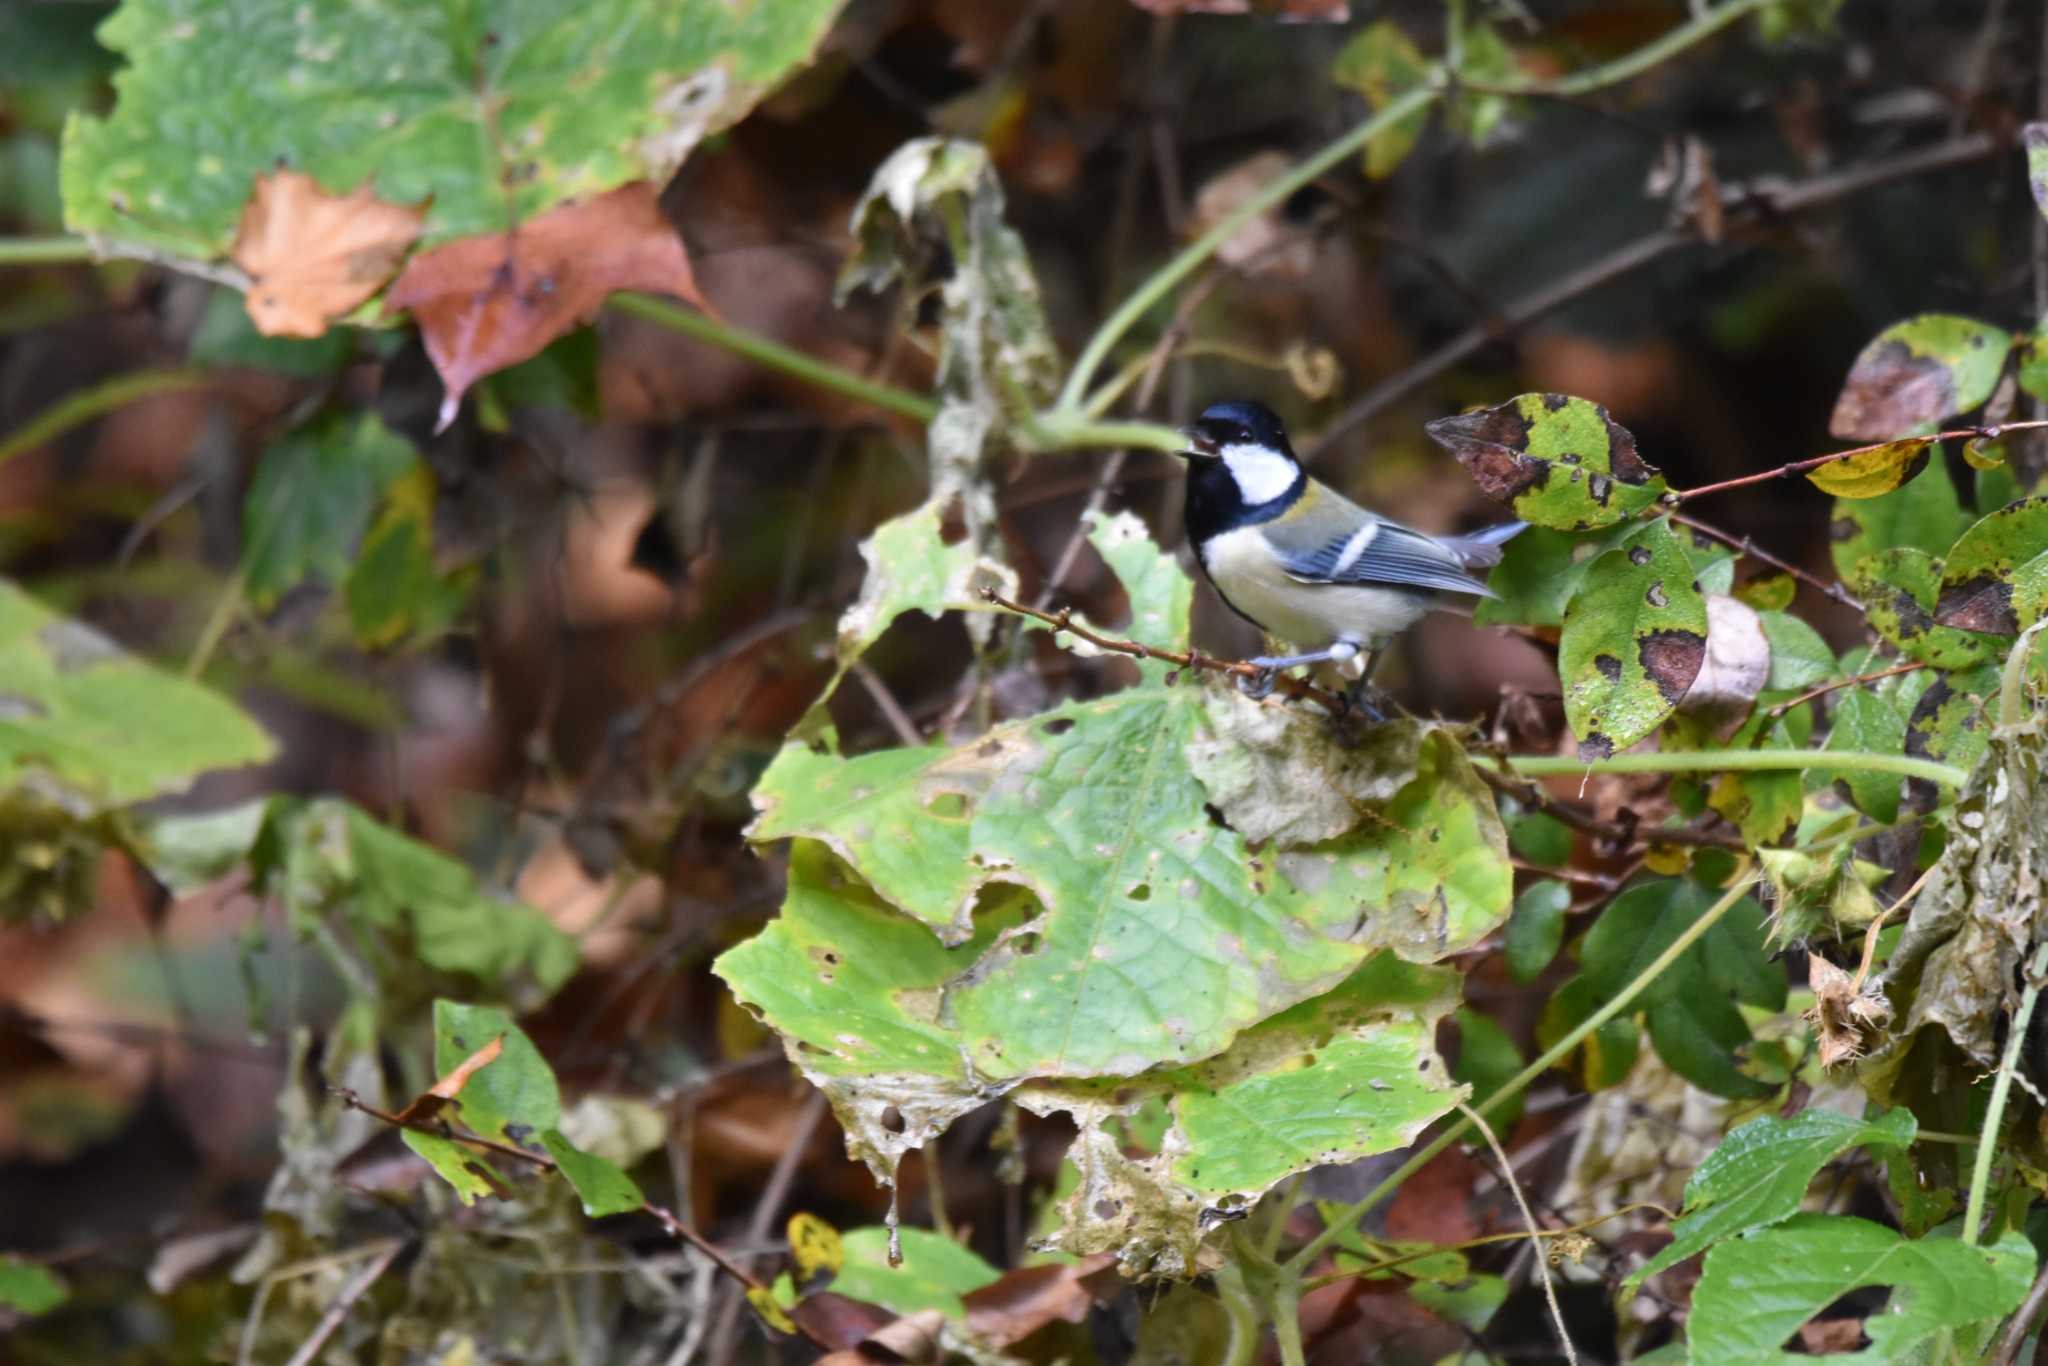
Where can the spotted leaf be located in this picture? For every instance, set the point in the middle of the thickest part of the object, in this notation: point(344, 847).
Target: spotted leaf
point(1899, 588)
point(1558, 461)
point(1634, 639)
point(1872, 472)
point(1996, 577)
point(1916, 372)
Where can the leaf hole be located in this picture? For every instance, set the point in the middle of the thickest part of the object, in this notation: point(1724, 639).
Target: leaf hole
point(1140, 892)
point(1058, 725)
point(892, 1119)
point(1025, 944)
point(949, 806)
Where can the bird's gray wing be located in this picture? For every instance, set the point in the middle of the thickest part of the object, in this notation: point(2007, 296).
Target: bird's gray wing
point(1323, 549)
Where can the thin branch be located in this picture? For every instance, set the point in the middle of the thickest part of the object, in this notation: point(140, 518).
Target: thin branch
point(1759, 207)
point(2015, 1338)
point(44, 251)
point(773, 354)
point(1745, 546)
point(1535, 1232)
point(75, 410)
point(1621, 835)
point(1487, 1240)
point(1063, 620)
point(1912, 666)
point(1986, 433)
point(1515, 1085)
point(1994, 1113)
point(309, 1350)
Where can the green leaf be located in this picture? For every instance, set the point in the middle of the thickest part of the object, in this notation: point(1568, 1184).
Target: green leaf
point(88, 726)
point(563, 376)
point(1536, 929)
point(2036, 138)
point(1925, 515)
point(1758, 1176)
point(1487, 1060)
point(1559, 462)
point(935, 1273)
point(1691, 1017)
point(1634, 638)
point(912, 567)
point(1754, 1292)
point(1781, 20)
point(463, 1167)
point(463, 112)
point(1540, 838)
point(1800, 657)
point(1380, 62)
point(28, 1287)
point(1538, 572)
point(311, 500)
point(1874, 472)
point(1871, 719)
point(393, 590)
point(226, 339)
point(1899, 588)
point(1609, 1053)
point(600, 1185)
point(513, 1099)
point(1918, 372)
point(1995, 580)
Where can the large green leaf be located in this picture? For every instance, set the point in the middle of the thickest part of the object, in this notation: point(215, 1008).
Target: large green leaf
point(1871, 718)
point(1754, 1292)
point(1691, 1005)
point(1634, 638)
point(1996, 576)
point(485, 113)
point(1758, 1176)
point(86, 725)
point(1557, 461)
point(935, 1271)
point(1918, 372)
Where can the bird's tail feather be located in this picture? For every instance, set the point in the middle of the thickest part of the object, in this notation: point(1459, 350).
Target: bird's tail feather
point(1481, 549)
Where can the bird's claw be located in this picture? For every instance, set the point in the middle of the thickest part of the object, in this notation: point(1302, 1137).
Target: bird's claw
point(1258, 686)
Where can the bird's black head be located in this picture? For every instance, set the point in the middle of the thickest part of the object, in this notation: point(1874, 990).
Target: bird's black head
point(1239, 423)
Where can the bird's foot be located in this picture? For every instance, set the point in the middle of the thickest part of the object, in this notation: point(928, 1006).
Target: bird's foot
point(1259, 686)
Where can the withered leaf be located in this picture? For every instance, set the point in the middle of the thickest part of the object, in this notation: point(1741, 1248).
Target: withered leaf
point(1288, 11)
point(312, 256)
point(1028, 1298)
point(425, 1107)
point(490, 301)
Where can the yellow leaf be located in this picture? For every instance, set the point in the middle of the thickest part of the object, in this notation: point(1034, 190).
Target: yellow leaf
point(772, 1314)
point(814, 1244)
point(1869, 473)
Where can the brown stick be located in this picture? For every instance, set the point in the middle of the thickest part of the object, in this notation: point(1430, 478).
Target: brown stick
point(1621, 836)
point(1986, 433)
point(1063, 620)
point(1826, 688)
point(1745, 546)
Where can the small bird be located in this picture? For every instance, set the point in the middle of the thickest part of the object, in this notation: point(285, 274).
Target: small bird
point(1302, 562)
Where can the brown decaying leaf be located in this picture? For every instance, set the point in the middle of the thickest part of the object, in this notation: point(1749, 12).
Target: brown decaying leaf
point(487, 302)
point(1288, 11)
point(425, 1107)
point(1890, 390)
point(312, 256)
point(1023, 1301)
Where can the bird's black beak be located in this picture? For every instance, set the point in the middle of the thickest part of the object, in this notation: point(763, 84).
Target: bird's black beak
point(1199, 447)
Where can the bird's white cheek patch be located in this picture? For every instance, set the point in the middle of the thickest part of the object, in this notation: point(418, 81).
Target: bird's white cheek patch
point(1261, 474)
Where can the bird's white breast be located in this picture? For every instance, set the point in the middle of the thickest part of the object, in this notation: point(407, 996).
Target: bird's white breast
point(1310, 615)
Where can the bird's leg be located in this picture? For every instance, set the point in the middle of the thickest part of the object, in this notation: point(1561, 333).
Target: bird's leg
point(1356, 696)
point(1269, 666)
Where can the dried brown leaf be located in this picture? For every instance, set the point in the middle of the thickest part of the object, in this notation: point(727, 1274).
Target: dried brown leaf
point(487, 302)
point(426, 1106)
point(313, 256)
point(1027, 1299)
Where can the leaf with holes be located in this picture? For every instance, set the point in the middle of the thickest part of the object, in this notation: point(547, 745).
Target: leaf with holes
point(1690, 1007)
point(1558, 461)
point(468, 118)
point(1924, 514)
point(1634, 639)
point(1758, 1176)
point(1918, 372)
point(1755, 1292)
point(1348, 1074)
point(1899, 588)
point(1872, 473)
point(1382, 62)
point(1995, 580)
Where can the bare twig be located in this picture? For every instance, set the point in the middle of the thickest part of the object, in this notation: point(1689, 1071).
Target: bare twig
point(1913, 666)
point(1759, 206)
point(1535, 1230)
point(1743, 545)
point(1985, 433)
point(1622, 835)
point(720, 1345)
point(309, 1350)
point(2015, 1337)
point(1063, 620)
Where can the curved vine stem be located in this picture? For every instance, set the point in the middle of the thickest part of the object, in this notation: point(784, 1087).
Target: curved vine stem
point(75, 410)
point(1521, 1080)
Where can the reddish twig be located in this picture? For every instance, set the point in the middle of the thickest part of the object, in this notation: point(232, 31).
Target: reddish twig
point(1985, 433)
point(1911, 667)
point(1063, 620)
point(1743, 545)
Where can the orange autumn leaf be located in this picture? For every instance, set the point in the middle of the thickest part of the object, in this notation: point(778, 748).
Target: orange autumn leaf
point(312, 256)
point(425, 1107)
point(487, 302)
